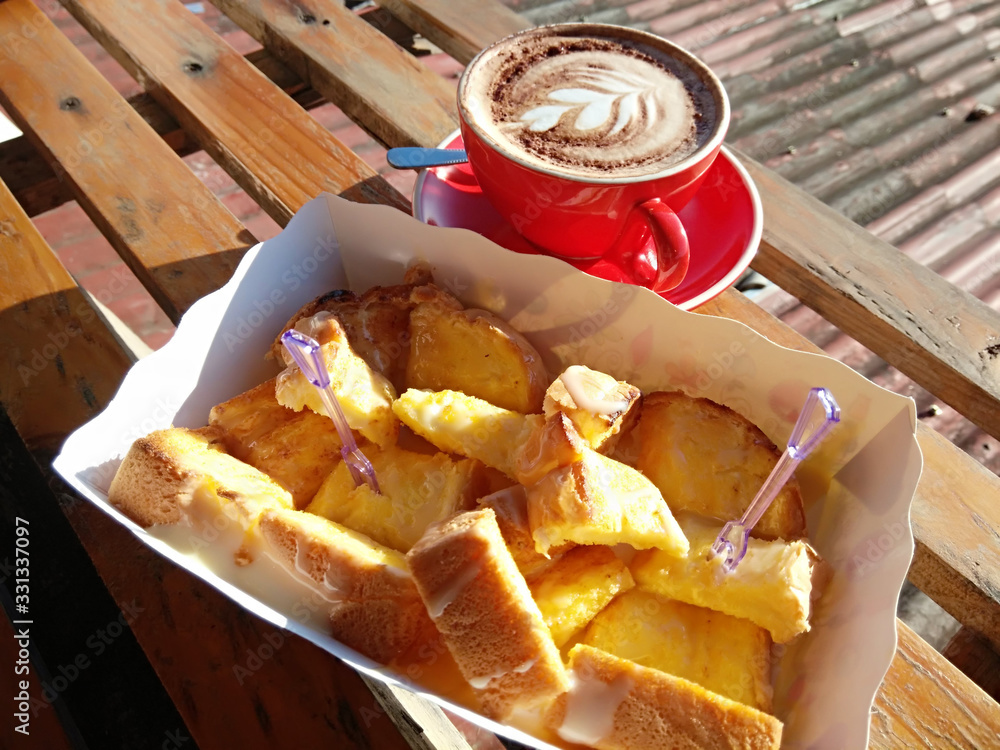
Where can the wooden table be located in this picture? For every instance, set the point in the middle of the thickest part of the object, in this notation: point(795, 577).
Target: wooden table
point(119, 160)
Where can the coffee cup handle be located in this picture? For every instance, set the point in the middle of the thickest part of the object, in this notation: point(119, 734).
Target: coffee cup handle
point(672, 249)
point(659, 265)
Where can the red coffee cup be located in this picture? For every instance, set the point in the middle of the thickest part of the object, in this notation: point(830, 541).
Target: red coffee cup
point(615, 211)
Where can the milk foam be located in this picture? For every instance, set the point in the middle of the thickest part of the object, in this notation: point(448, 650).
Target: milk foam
point(591, 105)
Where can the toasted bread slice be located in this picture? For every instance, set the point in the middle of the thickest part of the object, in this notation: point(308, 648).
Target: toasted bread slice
point(297, 449)
point(373, 605)
point(417, 490)
point(727, 655)
point(598, 500)
point(549, 443)
point(616, 704)
point(477, 353)
point(377, 322)
point(457, 423)
point(708, 459)
point(484, 610)
point(771, 586)
point(600, 407)
point(577, 587)
point(511, 508)
point(171, 475)
point(365, 395)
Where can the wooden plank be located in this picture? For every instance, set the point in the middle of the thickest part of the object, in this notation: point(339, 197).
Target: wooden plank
point(43, 728)
point(60, 365)
point(422, 723)
point(35, 185)
point(280, 155)
point(180, 241)
point(460, 29)
point(386, 91)
point(937, 334)
point(975, 657)
point(956, 507)
point(925, 702)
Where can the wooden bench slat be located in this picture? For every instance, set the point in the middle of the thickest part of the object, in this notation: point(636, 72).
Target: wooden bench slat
point(60, 364)
point(392, 95)
point(460, 29)
point(935, 333)
point(974, 656)
point(272, 147)
point(925, 702)
point(44, 728)
point(36, 186)
point(180, 241)
point(956, 507)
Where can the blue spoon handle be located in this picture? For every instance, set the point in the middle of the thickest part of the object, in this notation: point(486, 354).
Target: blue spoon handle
point(411, 157)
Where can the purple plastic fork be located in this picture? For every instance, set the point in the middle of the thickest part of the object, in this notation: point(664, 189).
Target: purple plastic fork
point(308, 356)
point(819, 414)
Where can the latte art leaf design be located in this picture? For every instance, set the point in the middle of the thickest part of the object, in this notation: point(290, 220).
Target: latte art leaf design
point(608, 91)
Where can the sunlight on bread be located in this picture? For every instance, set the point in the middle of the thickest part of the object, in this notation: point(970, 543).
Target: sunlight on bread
point(538, 552)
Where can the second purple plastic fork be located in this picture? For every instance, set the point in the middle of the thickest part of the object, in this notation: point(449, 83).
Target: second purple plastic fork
point(819, 414)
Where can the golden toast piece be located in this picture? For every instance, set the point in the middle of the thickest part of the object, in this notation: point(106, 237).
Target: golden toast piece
point(365, 396)
point(598, 500)
point(511, 508)
point(771, 586)
point(615, 704)
point(377, 322)
point(484, 610)
point(600, 407)
point(477, 353)
point(570, 593)
point(184, 476)
point(374, 606)
point(457, 423)
point(297, 449)
point(708, 459)
point(727, 655)
point(549, 443)
point(417, 490)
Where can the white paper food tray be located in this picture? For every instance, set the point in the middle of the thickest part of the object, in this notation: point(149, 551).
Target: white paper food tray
point(858, 488)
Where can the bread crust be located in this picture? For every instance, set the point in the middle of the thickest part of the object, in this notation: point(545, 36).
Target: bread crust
point(161, 472)
point(617, 705)
point(484, 610)
point(375, 607)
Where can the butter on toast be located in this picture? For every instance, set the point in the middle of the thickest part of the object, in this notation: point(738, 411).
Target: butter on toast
point(417, 490)
point(708, 459)
point(477, 353)
point(615, 704)
point(297, 449)
point(724, 654)
point(772, 586)
point(599, 406)
point(458, 423)
point(578, 586)
point(372, 602)
point(482, 606)
point(598, 500)
point(169, 475)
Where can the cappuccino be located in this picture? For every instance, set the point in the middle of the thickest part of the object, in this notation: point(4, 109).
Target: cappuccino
point(607, 104)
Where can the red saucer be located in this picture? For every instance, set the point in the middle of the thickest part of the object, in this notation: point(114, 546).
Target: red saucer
point(723, 223)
